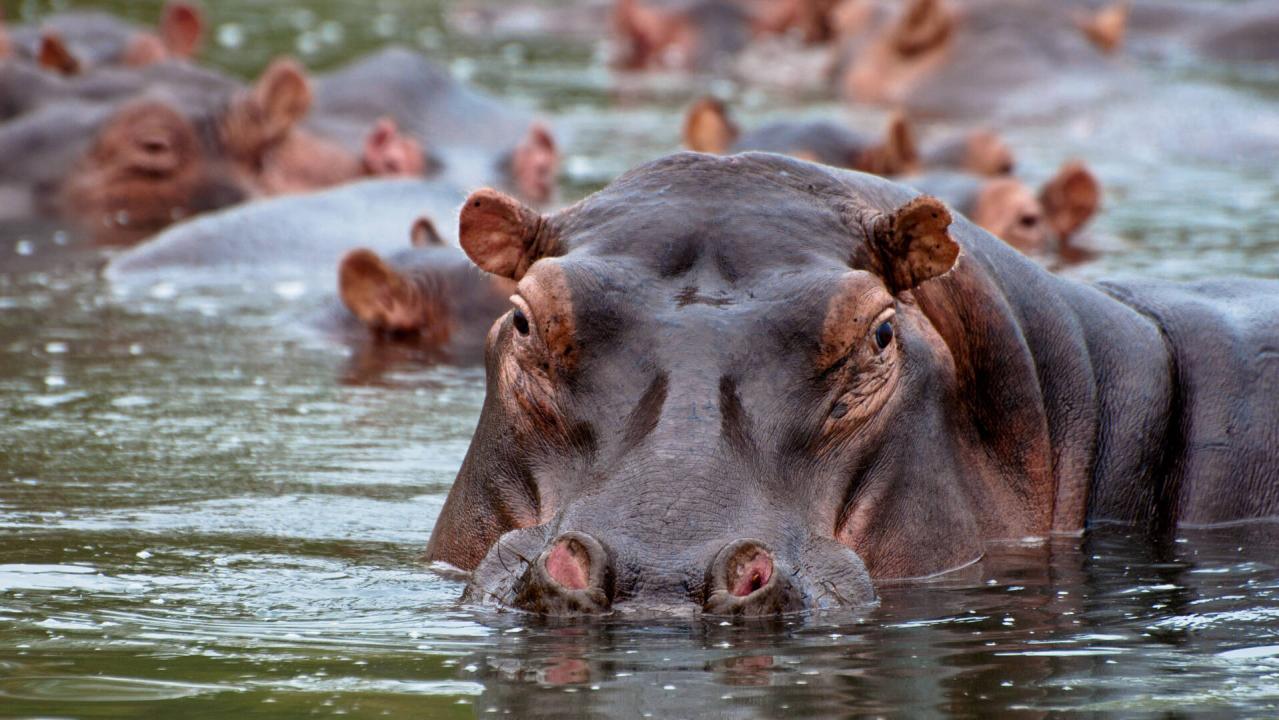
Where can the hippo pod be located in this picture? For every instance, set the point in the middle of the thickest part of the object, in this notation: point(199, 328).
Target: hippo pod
point(754, 385)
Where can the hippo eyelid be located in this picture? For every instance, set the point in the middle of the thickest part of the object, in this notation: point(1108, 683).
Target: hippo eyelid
point(522, 306)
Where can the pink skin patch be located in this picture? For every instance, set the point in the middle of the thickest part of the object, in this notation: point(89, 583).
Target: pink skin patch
point(568, 564)
point(748, 575)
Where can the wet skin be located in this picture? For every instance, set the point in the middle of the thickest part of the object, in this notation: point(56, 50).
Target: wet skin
point(749, 385)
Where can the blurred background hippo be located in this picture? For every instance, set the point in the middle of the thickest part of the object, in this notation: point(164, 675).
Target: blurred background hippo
point(80, 41)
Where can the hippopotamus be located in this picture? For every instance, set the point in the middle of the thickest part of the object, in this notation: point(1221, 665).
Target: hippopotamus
point(470, 137)
point(754, 385)
point(127, 166)
point(701, 35)
point(979, 58)
point(73, 42)
point(429, 296)
point(25, 87)
point(708, 128)
point(1042, 223)
point(1242, 32)
point(293, 238)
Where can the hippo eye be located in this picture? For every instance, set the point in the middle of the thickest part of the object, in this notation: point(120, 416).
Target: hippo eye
point(520, 321)
point(883, 334)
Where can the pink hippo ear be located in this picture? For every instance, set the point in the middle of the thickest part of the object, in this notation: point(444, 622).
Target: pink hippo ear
point(424, 233)
point(262, 117)
point(644, 32)
point(56, 56)
point(898, 154)
point(707, 127)
point(501, 235)
point(376, 294)
point(912, 244)
point(1106, 27)
point(1070, 198)
point(181, 27)
point(925, 25)
point(535, 164)
point(388, 152)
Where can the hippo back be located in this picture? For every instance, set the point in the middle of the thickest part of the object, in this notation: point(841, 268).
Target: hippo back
point(299, 237)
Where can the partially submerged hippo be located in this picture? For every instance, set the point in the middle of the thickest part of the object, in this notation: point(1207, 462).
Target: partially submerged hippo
point(73, 42)
point(708, 128)
point(470, 138)
point(979, 58)
point(429, 296)
point(753, 384)
point(1040, 223)
point(124, 166)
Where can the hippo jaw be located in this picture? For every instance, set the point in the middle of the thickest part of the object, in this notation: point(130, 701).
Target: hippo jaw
point(720, 388)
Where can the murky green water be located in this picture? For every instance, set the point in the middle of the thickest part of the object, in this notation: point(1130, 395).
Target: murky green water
point(208, 508)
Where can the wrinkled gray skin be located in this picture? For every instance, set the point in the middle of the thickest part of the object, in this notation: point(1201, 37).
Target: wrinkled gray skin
point(467, 135)
point(685, 414)
point(296, 237)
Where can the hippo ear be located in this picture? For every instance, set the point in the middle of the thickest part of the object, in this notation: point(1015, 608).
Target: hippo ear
point(913, 244)
point(375, 293)
point(387, 151)
point(282, 96)
point(644, 30)
point(56, 56)
point(535, 164)
point(707, 127)
point(424, 233)
point(6, 47)
point(1070, 198)
point(501, 235)
point(898, 154)
point(1106, 27)
point(181, 27)
point(924, 26)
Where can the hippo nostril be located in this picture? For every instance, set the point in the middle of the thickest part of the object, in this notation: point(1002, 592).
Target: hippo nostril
point(749, 570)
point(569, 563)
point(744, 579)
point(1029, 220)
point(572, 576)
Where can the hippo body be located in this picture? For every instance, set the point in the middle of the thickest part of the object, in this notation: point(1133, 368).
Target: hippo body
point(297, 237)
point(751, 385)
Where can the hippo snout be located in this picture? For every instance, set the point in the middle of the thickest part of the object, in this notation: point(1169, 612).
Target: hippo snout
point(744, 579)
point(572, 576)
point(576, 573)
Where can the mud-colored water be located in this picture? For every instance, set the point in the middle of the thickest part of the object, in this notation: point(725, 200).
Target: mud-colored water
point(208, 509)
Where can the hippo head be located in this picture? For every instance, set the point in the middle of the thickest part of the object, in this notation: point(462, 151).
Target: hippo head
point(693, 34)
point(718, 388)
point(162, 157)
point(178, 36)
point(1038, 223)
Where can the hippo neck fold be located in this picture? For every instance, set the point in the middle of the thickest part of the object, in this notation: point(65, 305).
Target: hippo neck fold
point(1071, 389)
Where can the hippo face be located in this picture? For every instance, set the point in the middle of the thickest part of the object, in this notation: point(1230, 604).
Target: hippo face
point(717, 389)
point(166, 156)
